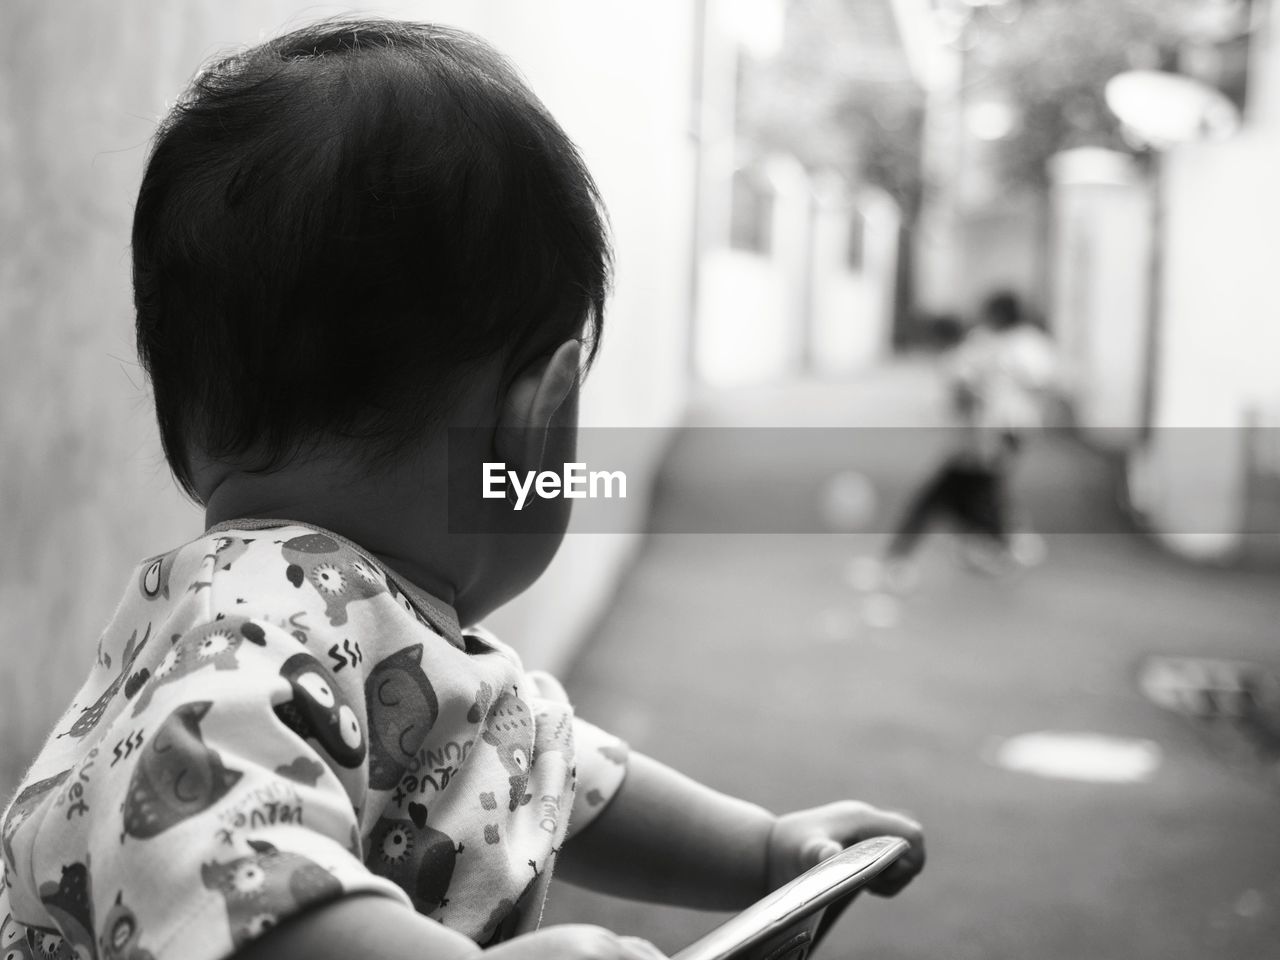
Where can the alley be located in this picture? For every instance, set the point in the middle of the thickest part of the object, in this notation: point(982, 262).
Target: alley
point(760, 664)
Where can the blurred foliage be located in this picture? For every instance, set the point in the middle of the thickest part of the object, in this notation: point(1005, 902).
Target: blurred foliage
point(838, 97)
point(1052, 63)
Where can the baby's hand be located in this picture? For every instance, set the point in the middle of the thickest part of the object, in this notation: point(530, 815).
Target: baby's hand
point(805, 838)
point(574, 942)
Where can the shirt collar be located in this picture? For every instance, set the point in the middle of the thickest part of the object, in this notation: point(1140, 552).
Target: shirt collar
point(440, 615)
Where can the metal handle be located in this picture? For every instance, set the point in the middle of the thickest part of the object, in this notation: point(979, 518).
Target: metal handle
point(797, 905)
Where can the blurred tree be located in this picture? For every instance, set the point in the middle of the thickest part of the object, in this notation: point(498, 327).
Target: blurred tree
point(839, 97)
point(1051, 63)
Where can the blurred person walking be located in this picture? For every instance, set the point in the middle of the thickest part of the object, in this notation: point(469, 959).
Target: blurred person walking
point(1000, 375)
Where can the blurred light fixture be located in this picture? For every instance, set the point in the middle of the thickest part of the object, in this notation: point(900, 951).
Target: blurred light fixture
point(991, 119)
point(1165, 109)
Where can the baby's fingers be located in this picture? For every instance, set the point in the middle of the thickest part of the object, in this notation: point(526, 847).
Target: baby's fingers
point(644, 950)
point(859, 821)
point(575, 942)
point(903, 870)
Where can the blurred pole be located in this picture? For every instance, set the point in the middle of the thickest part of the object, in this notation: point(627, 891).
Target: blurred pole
point(696, 133)
point(935, 261)
point(808, 301)
point(1155, 296)
point(715, 103)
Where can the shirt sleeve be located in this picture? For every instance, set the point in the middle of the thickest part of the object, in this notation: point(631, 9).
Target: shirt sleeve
point(601, 762)
point(599, 758)
point(220, 802)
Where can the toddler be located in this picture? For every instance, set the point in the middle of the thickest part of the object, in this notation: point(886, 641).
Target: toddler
point(366, 261)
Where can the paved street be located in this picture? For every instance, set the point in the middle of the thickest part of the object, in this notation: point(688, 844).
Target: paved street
point(764, 665)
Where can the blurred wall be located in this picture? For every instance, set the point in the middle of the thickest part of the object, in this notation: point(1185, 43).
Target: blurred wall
point(1217, 367)
point(1002, 247)
point(752, 302)
point(1099, 284)
point(798, 304)
point(853, 302)
point(1210, 363)
point(84, 492)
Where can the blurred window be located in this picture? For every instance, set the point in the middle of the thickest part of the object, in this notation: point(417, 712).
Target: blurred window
point(751, 217)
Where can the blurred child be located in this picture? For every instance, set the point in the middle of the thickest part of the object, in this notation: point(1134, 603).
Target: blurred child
point(999, 376)
point(350, 241)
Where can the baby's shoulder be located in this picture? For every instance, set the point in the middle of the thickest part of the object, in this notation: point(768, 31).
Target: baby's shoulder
point(331, 596)
point(284, 571)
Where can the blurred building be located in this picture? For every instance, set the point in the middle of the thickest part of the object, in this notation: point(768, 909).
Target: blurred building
point(797, 268)
point(1166, 299)
point(1151, 264)
point(975, 233)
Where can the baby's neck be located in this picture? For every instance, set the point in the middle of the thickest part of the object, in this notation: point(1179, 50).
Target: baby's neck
point(404, 529)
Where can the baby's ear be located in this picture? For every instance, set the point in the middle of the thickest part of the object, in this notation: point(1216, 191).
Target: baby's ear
point(531, 403)
point(538, 391)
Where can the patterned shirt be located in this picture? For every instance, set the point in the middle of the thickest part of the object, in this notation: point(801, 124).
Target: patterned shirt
point(275, 720)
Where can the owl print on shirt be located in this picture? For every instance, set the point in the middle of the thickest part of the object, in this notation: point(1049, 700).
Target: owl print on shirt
point(265, 887)
point(176, 776)
point(227, 727)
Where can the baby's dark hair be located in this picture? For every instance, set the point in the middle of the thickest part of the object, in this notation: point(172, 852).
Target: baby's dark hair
point(1002, 310)
point(333, 224)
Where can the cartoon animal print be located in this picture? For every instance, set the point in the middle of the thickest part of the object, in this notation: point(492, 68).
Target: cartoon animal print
point(554, 733)
point(266, 887)
point(215, 645)
point(616, 752)
point(91, 715)
point(402, 598)
point(504, 920)
point(302, 770)
point(417, 858)
point(120, 934)
point(476, 646)
point(319, 711)
point(227, 550)
point(177, 776)
point(69, 903)
point(478, 709)
point(24, 805)
point(14, 942)
point(402, 709)
point(338, 574)
point(509, 728)
point(46, 943)
point(153, 580)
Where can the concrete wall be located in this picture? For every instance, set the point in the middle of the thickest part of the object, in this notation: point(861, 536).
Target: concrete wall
point(1196, 477)
point(1100, 282)
point(798, 306)
point(84, 492)
point(1220, 322)
point(751, 304)
point(852, 322)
